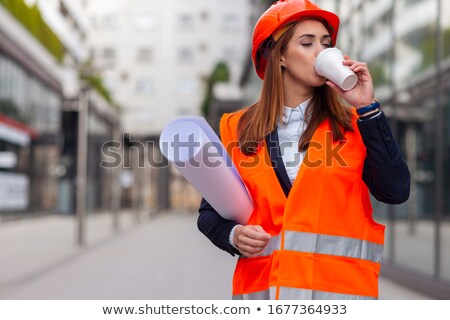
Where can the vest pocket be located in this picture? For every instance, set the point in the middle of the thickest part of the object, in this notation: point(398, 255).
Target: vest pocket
point(252, 275)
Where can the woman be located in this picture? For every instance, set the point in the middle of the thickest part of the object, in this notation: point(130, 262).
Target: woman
point(308, 162)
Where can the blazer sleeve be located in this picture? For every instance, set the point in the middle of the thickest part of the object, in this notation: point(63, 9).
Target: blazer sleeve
point(215, 228)
point(385, 171)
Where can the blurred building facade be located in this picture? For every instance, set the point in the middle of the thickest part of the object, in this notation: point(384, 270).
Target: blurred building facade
point(30, 98)
point(158, 53)
point(41, 51)
point(157, 57)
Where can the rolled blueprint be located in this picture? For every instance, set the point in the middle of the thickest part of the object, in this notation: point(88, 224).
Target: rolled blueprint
point(191, 145)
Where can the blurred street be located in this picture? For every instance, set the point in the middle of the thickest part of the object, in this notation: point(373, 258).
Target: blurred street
point(160, 257)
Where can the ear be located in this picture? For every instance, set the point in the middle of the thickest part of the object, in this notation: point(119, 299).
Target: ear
point(283, 61)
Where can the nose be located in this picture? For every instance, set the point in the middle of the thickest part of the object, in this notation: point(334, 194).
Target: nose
point(318, 49)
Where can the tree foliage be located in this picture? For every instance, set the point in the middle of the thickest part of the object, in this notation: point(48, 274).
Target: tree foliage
point(31, 19)
point(221, 73)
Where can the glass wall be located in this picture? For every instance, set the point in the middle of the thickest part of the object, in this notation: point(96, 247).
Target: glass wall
point(445, 34)
point(13, 85)
point(414, 220)
point(445, 248)
point(31, 111)
point(25, 99)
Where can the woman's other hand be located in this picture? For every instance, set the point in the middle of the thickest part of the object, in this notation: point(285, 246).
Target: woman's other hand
point(362, 94)
point(250, 240)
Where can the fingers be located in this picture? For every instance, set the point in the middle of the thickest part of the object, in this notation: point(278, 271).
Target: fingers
point(359, 68)
point(363, 91)
point(250, 252)
point(258, 232)
point(355, 66)
point(251, 240)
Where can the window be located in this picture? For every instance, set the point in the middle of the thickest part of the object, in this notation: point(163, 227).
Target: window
point(145, 87)
point(185, 21)
point(27, 100)
point(124, 76)
point(204, 16)
point(185, 54)
point(183, 111)
point(110, 21)
point(145, 55)
point(109, 53)
point(186, 87)
point(203, 47)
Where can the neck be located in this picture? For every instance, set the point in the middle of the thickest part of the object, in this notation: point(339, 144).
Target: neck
point(295, 93)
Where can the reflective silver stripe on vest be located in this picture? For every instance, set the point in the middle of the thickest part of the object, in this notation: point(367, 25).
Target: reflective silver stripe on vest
point(305, 294)
point(274, 244)
point(287, 293)
point(269, 294)
point(333, 245)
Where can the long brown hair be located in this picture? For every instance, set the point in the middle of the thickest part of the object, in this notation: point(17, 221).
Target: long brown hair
point(262, 117)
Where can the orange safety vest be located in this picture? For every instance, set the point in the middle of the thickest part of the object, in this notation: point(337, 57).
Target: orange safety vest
point(325, 243)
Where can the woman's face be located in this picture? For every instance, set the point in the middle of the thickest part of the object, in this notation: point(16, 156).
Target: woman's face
point(310, 37)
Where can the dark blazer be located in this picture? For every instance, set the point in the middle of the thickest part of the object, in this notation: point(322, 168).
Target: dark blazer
point(385, 173)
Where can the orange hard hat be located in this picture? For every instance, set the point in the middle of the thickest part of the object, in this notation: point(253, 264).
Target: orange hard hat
point(280, 14)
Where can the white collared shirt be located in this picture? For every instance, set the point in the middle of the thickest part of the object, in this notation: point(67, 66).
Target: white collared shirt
point(289, 132)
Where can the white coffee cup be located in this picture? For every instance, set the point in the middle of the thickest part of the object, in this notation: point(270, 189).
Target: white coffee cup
point(329, 65)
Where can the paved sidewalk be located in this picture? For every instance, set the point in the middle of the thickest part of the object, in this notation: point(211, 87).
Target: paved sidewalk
point(163, 258)
point(35, 246)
